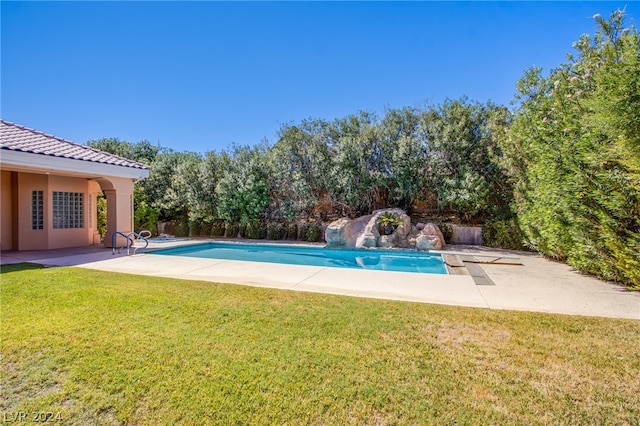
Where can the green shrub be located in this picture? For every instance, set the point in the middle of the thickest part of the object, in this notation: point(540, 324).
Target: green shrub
point(314, 233)
point(181, 228)
point(302, 231)
point(231, 229)
point(572, 151)
point(504, 234)
point(291, 231)
point(447, 232)
point(254, 230)
point(217, 228)
point(205, 229)
point(101, 207)
point(198, 229)
point(275, 231)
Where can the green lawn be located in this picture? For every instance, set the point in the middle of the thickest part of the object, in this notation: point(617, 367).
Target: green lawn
point(103, 348)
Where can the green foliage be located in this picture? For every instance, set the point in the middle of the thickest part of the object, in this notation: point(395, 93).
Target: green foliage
point(354, 164)
point(504, 234)
point(302, 231)
point(360, 164)
point(242, 193)
point(254, 229)
point(231, 229)
point(462, 166)
point(217, 228)
point(178, 228)
point(142, 152)
point(406, 154)
point(275, 231)
point(297, 169)
point(314, 233)
point(183, 196)
point(447, 232)
point(200, 229)
point(291, 231)
point(101, 211)
point(572, 154)
point(389, 219)
point(145, 213)
point(145, 216)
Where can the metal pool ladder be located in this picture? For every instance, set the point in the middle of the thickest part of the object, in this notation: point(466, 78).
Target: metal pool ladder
point(131, 237)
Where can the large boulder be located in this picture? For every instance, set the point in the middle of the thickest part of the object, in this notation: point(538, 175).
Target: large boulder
point(367, 240)
point(345, 232)
point(362, 232)
point(388, 241)
point(334, 235)
point(430, 238)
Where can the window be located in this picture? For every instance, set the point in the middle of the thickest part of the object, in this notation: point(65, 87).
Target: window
point(90, 208)
point(68, 210)
point(37, 210)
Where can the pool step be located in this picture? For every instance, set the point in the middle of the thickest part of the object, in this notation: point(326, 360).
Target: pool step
point(477, 273)
point(455, 265)
point(462, 265)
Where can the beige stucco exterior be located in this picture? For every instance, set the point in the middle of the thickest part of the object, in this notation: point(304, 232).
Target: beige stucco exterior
point(16, 231)
point(49, 189)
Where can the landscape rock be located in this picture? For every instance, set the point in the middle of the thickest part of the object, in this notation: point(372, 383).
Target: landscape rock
point(334, 234)
point(366, 240)
point(362, 232)
point(388, 241)
point(430, 238)
point(403, 230)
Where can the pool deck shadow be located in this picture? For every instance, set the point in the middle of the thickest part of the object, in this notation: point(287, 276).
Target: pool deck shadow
point(532, 284)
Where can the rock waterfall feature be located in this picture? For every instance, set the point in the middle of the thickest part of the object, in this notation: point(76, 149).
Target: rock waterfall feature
point(367, 232)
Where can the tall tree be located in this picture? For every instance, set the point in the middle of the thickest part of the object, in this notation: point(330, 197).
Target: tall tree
point(460, 157)
point(405, 151)
point(242, 193)
point(573, 151)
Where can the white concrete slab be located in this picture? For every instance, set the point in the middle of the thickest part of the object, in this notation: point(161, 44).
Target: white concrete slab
point(538, 285)
point(550, 286)
point(432, 288)
point(272, 275)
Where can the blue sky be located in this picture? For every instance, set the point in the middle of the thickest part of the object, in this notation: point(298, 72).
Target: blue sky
point(198, 76)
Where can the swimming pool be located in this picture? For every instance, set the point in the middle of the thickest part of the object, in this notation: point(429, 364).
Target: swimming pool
point(166, 239)
point(379, 260)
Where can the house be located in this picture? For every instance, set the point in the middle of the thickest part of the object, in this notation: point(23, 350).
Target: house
point(49, 187)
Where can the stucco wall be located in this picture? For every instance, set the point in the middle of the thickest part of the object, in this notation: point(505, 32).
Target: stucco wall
point(15, 204)
point(61, 238)
point(47, 238)
point(119, 194)
point(5, 211)
point(29, 239)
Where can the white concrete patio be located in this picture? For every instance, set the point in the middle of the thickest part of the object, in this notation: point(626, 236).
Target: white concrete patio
point(538, 285)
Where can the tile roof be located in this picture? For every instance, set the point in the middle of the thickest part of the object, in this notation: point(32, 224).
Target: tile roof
point(18, 138)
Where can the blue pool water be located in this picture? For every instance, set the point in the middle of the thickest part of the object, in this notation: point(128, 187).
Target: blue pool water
point(165, 239)
point(381, 260)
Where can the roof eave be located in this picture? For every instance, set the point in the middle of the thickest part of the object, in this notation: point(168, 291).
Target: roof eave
point(41, 163)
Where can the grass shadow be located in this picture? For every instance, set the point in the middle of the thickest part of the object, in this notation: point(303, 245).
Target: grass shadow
point(19, 267)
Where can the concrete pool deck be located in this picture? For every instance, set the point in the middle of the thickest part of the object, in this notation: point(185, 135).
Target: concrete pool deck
point(536, 284)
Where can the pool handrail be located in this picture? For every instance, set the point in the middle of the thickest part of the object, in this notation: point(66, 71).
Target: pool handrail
point(131, 237)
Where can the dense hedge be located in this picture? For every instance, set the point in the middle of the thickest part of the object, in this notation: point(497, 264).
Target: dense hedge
point(573, 151)
point(560, 174)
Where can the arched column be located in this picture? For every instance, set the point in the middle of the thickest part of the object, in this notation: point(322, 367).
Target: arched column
point(119, 195)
